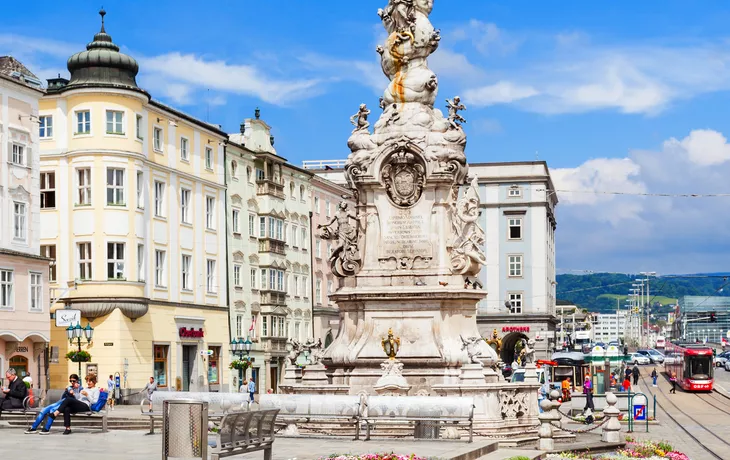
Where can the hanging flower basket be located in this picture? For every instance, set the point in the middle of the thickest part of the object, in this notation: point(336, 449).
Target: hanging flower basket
point(240, 364)
point(78, 356)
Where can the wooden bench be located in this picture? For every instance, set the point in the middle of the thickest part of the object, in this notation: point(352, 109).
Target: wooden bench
point(245, 431)
point(428, 413)
point(218, 403)
point(327, 409)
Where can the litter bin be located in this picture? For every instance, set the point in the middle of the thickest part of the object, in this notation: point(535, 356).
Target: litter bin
point(430, 429)
point(184, 429)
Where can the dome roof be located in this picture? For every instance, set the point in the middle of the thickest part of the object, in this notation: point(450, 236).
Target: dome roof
point(102, 64)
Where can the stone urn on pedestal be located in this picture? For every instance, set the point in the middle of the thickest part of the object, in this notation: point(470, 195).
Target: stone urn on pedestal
point(392, 383)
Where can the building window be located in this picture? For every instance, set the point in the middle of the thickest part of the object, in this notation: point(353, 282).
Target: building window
point(138, 127)
point(234, 219)
point(262, 227)
point(115, 186)
point(36, 292)
point(237, 275)
point(304, 238)
point(253, 278)
point(210, 271)
point(305, 290)
point(185, 206)
point(296, 286)
point(279, 229)
point(208, 158)
point(184, 149)
point(45, 126)
point(141, 263)
point(159, 199)
point(251, 225)
point(297, 330)
point(316, 205)
point(50, 252)
point(280, 281)
point(264, 328)
point(234, 170)
point(294, 236)
point(18, 156)
point(514, 191)
point(514, 228)
point(515, 303)
point(20, 220)
point(114, 122)
point(186, 265)
point(84, 261)
point(160, 370)
point(213, 361)
point(329, 287)
point(263, 279)
point(282, 329)
point(260, 174)
point(115, 260)
point(210, 212)
point(239, 325)
point(515, 266)
point(327, 206)
point(160, 278)
point(48, 190)
point(157, 139)
point(140, 190)
point(83, 180)
point(318, 248)
point(6, 289)
point(83, 122)
point(318, 290)
point(291, 189)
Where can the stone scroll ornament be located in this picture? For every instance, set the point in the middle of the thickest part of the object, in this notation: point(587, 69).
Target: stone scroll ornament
point(408, 111)
point(466, 249)
point(345, 259)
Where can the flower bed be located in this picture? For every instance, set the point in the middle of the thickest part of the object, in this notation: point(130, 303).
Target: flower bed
point(634, 449)
point(383, 456)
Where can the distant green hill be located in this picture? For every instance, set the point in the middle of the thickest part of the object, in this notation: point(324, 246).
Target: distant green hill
point(598, 291)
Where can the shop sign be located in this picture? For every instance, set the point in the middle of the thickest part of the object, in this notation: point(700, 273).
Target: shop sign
point(186, 333)
point(21, 350)
point(516, 329)
point(66, 318)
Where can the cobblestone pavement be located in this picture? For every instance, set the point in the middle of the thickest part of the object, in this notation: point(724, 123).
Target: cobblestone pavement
point(125, 445)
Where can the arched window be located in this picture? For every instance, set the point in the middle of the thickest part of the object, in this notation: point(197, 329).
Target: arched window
point(301, 192)
point(248, 173)
point(291, 188)
point(234, 169)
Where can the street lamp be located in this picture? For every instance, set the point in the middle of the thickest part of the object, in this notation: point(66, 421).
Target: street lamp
point(240, 347)
point(75, 333)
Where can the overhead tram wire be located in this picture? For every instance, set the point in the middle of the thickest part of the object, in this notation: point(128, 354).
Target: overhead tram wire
point(665, 195)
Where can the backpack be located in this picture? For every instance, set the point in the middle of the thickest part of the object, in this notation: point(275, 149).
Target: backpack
point(99, 405)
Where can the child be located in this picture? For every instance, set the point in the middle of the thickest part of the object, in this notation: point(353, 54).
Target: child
point(626, 385)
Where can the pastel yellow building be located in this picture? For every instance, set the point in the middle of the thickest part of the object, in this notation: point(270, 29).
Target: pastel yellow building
point(138, 228)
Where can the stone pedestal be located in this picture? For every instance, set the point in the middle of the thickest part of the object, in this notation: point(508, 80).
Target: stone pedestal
point(612, 428)
point(292, 375)
point(392, 383)
point(531, 372)
point(546, 430)
point(315, 375)
point(472, 374)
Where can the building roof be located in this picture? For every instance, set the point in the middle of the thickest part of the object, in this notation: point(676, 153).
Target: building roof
point(12, 69)
point(102, 65)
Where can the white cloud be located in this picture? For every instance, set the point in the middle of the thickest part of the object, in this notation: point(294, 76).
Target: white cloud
point(487, 126)
point(486, 37)
point(703, 147)
point(450, 64)
point(502, 92)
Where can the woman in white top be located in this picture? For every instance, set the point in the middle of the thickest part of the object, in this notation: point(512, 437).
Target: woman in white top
point(81, 403)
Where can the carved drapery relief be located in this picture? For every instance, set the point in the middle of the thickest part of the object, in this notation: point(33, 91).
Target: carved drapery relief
point(467, 255)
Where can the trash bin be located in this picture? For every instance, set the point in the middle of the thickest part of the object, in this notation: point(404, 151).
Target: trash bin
point(430, 429)
point(184, 429)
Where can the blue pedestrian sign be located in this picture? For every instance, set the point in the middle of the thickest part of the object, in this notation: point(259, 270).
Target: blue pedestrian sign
point(640, 412)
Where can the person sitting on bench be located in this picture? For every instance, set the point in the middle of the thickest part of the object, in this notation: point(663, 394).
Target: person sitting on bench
point(15, 393)
point(71, 391)
point(69, 406)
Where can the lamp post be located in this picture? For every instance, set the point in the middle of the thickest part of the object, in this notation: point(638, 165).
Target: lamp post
point(75, 333)
point(240, 347)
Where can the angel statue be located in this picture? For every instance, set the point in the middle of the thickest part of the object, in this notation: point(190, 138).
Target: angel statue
point(316, 351)
point(528, 351)
point(293, 355)
point(345, 258)
point(472, 350)
point(467, 254)
point(454, 106)
point(360, 119)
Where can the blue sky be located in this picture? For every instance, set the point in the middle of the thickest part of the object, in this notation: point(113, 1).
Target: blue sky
point(616, 96)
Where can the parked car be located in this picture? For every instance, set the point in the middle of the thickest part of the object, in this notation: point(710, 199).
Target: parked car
point(727, 365)
point(654, 356)
point(638, 358)
point(721, 359)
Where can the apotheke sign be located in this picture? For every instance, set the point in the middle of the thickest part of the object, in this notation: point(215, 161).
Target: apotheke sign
point(186, 333)
point(516, 329)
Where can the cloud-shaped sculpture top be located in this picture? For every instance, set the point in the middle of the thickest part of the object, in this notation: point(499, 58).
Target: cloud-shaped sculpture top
point(409, 117)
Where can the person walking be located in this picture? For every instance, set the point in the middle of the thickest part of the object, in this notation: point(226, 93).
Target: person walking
point(627, 373)
point(150, 388)
point(70, 392)
point(588, 391)
point(14, 394)
point(244, 386)
point(110, 389)
point(673, 381)
point(251, 389)
point(86, 398)
point(654, 376)
point(635, 372)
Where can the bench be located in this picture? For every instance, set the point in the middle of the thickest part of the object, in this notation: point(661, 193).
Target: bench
point(218, 403)
point(102, 414)
point(245, 431)
point(428, 413)
point(26, 410)
point(332, 409)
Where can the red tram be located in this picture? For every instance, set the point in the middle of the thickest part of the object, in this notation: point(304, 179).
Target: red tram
point(692, 364)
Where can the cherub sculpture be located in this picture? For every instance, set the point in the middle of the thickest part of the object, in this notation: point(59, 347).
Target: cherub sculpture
point(454, 106)
point(472, 350)
point(360, 119)
point(316, 351)
point(293, 355)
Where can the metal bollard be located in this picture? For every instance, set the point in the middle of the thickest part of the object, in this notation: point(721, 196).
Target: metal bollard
point(184, 429)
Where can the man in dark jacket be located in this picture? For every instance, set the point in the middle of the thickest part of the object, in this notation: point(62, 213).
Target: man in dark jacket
point(635, 371)
point(15, 393)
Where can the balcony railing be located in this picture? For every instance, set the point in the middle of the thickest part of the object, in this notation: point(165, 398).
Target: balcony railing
point(274, 344)
point(269, 187)
point(273, 298)
point(275, 246)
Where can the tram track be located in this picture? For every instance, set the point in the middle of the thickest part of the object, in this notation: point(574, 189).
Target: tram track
point(682, 425)
point(707, 397)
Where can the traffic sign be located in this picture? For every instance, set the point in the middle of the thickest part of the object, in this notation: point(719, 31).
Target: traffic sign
point(66, 318)
point(640, 412)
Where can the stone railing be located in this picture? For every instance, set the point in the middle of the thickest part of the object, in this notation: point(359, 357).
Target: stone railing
point(269, 187)
point(275, 246)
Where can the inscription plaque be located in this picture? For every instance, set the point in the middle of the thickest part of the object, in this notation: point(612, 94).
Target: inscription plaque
point(406, 233)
